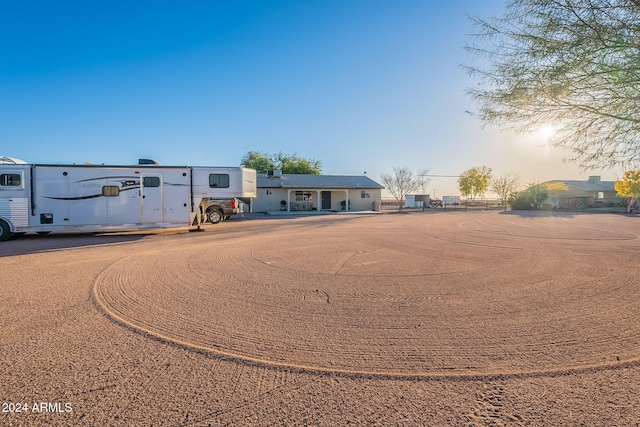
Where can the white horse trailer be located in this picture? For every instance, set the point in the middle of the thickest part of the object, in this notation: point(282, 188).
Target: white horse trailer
point(44, 198)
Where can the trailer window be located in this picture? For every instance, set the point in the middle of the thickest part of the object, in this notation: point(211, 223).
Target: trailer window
point(151, 181)
point(111, 191)
point(219, 180)
point(10, 180)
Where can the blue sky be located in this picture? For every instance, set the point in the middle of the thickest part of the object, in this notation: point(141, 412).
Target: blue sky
point(361, 85)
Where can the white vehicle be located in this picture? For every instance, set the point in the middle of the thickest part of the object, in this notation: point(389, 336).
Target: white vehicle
point(44, 198)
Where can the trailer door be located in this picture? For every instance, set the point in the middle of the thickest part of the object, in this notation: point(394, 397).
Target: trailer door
point(14, 199)
point(151, 198)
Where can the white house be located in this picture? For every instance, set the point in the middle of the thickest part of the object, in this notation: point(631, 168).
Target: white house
point(295, 192)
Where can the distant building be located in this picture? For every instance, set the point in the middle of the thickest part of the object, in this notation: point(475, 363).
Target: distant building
point(417, 200)
point(293, 192)
point(583, 194)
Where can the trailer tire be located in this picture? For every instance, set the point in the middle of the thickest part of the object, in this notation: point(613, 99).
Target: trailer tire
point(5, 231)
point(215, 216)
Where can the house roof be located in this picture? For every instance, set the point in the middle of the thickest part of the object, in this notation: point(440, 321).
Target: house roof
point(316, 181)
point(588, 186)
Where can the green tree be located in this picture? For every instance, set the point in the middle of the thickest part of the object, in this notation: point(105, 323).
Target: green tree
point(629, 187)
point(529, 199)
point(259, 161)
point(474, 181)
point(287, 163)
point(297, 165)
point(572, 64)
point(401, 182)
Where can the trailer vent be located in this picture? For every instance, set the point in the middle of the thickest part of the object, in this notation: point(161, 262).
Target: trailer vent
point(46, 218)
point(148, 162)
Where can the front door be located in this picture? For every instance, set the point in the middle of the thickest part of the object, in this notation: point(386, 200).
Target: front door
point(151, 198)
point(326, 200)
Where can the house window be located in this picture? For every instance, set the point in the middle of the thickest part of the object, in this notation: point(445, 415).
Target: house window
point(10, 180)
point(151, 181)
point(302, 196)
point(219, 180)
point(110, 191)
point(365, 194)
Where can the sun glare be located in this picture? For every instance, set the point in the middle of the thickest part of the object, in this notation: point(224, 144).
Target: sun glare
point(546, 132)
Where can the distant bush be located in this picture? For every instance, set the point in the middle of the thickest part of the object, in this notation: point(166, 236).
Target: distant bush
point(529, 199)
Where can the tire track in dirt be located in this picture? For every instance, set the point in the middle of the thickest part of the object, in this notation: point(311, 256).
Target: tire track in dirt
point(267, 390)
point(355, 304)
point(489, 409)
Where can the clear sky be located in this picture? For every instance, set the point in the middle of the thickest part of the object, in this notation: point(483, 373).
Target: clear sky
point(361, 85)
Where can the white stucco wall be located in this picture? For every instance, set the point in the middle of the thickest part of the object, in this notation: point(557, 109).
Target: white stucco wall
point(268, 199)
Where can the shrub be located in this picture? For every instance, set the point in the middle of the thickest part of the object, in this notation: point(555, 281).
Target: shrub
point(529, 199)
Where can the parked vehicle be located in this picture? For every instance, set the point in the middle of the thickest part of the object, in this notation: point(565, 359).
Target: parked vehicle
point(42, 198)
point(221, 210)
point(436, 203)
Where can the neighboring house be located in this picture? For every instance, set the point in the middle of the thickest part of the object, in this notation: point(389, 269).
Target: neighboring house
point(292, 192)
point(582, 194)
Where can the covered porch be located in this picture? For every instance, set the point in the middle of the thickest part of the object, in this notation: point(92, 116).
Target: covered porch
point(317, 200)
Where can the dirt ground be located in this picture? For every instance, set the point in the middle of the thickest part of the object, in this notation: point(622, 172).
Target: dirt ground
point(445, 318)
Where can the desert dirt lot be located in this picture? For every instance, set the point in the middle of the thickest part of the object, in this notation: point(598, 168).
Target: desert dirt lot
point(452, 318)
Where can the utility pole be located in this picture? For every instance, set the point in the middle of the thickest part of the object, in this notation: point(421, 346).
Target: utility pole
point(422, 181)
point(422, 175)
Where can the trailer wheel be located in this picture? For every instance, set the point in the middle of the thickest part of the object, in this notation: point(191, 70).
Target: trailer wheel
point(215, 216)
point(5, 231)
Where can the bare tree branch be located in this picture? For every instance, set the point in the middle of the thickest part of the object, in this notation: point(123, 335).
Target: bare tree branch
point(574, 64)
point(401, 182)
